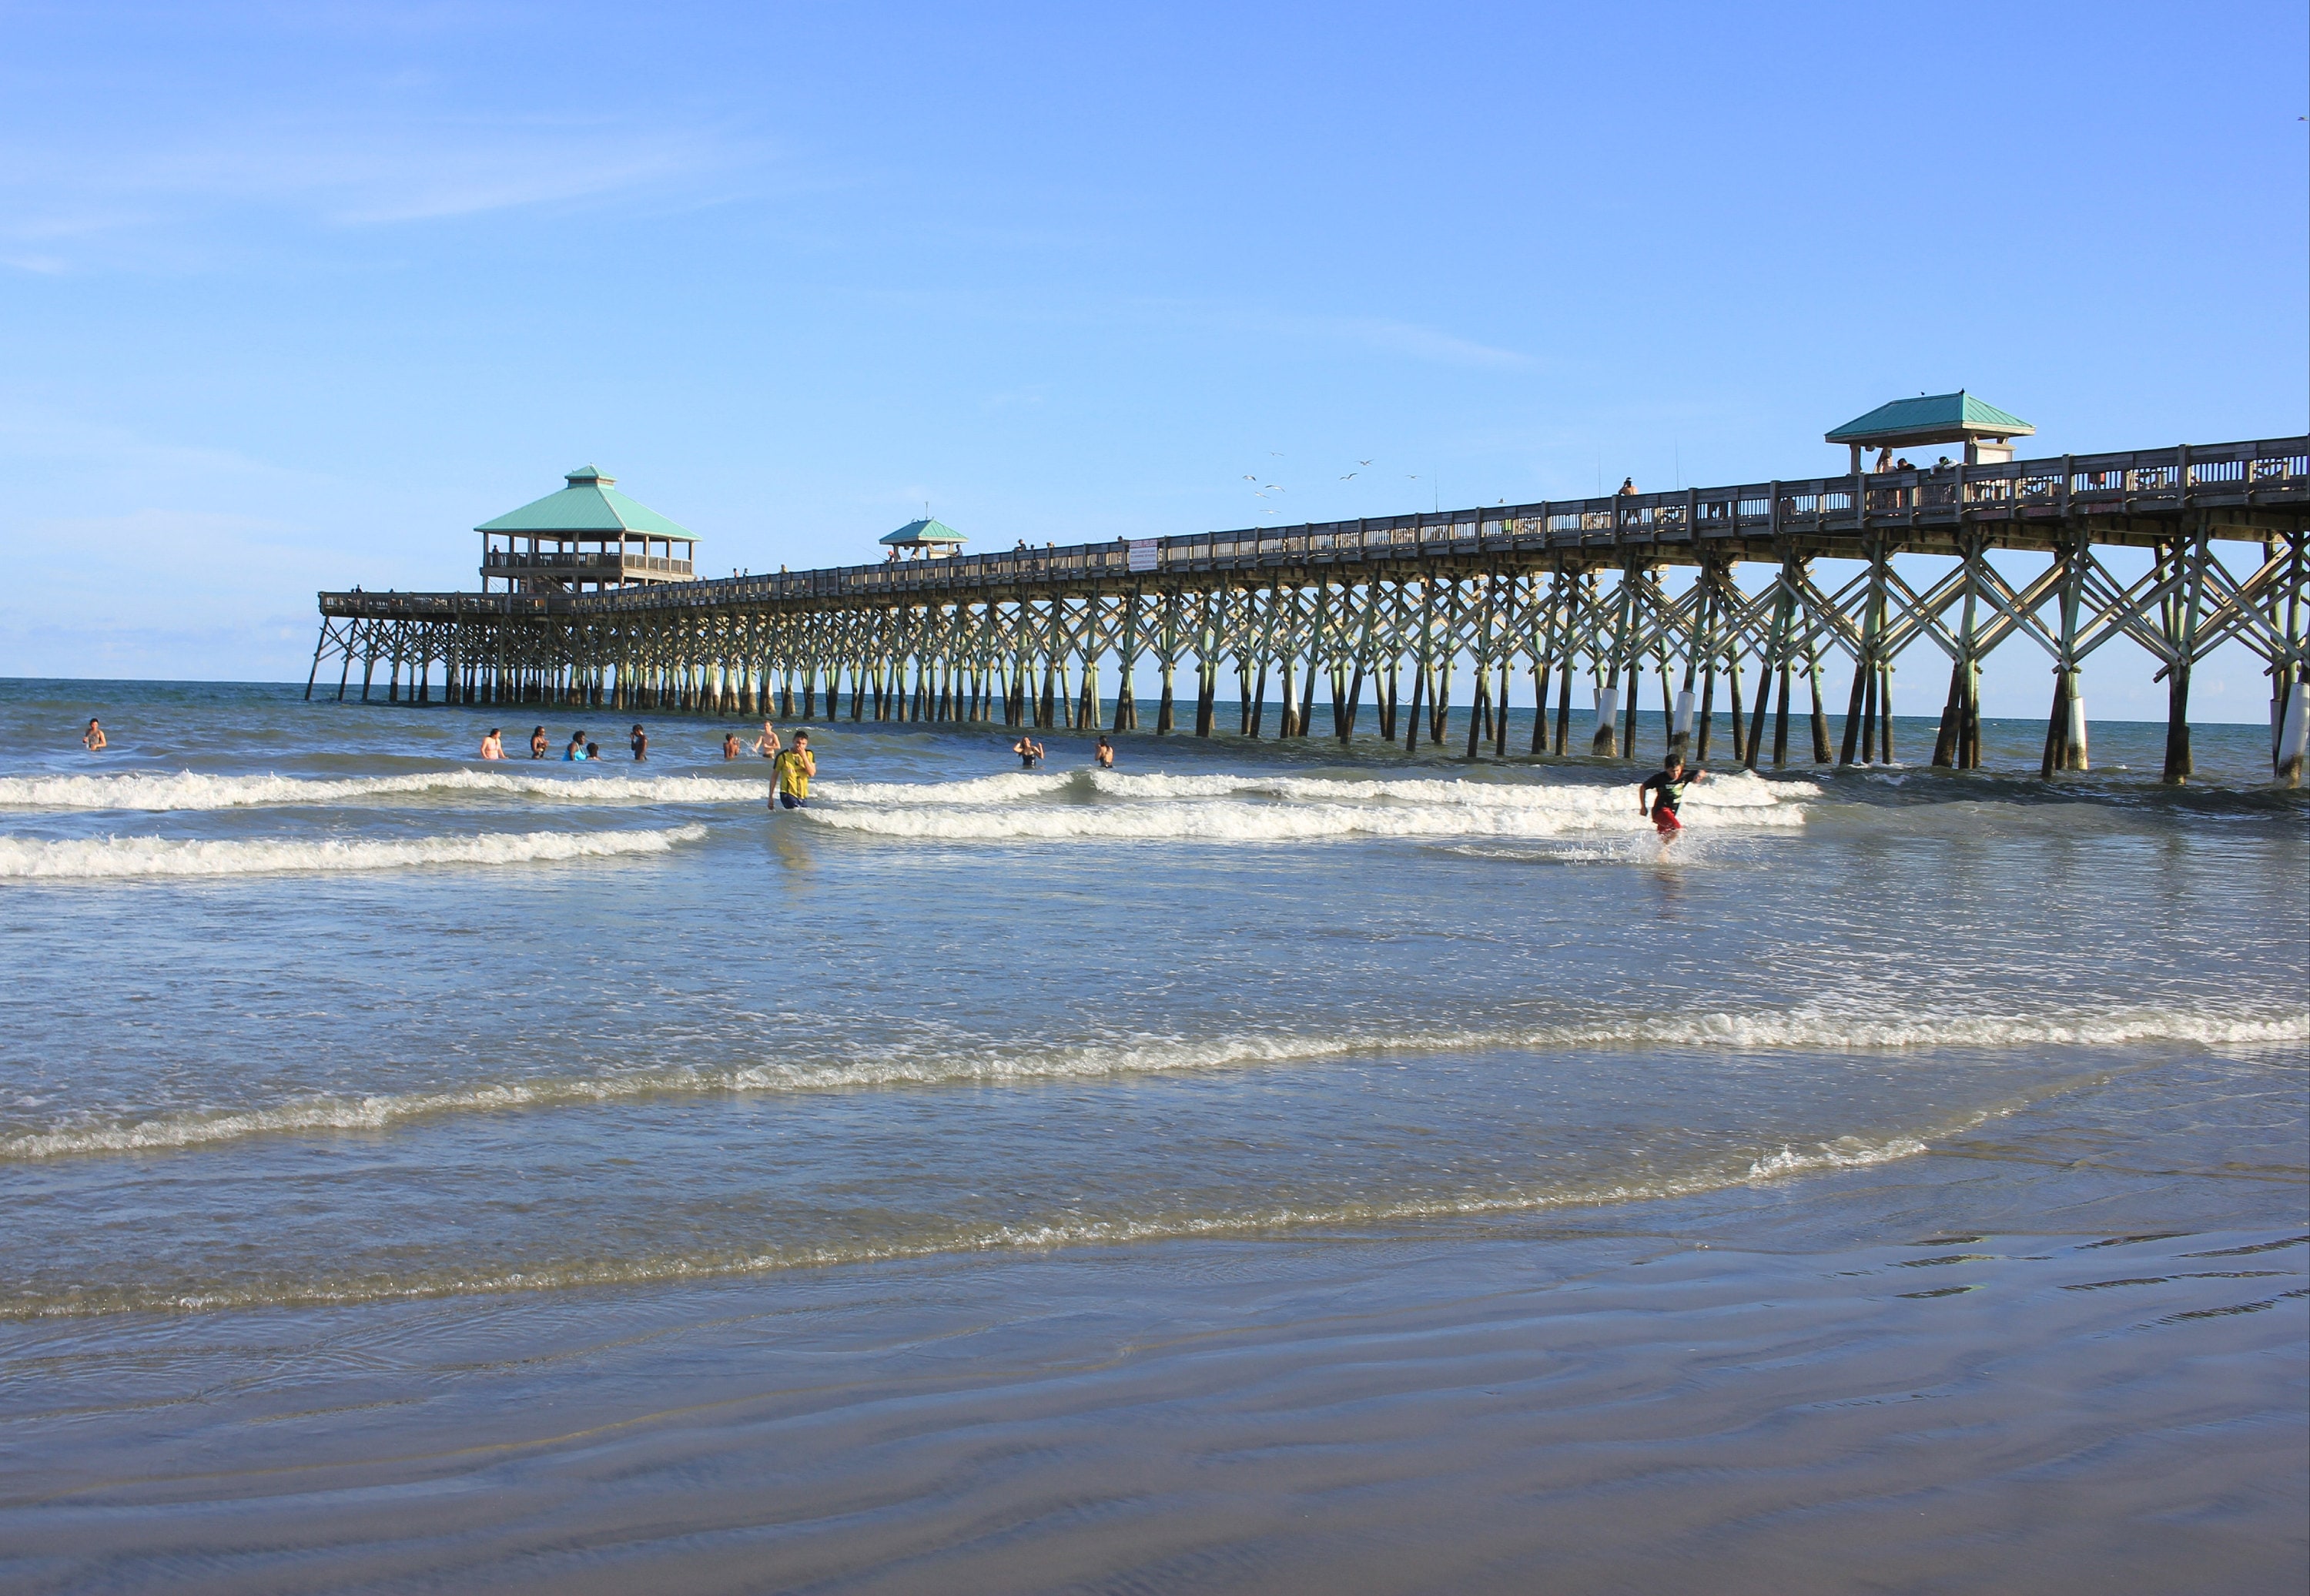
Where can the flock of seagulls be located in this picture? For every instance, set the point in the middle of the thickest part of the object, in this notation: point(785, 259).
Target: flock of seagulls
point(1262, 489)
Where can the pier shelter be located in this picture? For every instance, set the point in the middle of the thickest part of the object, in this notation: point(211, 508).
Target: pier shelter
point(927, 538)
point(586, 537)
point(1930, 420)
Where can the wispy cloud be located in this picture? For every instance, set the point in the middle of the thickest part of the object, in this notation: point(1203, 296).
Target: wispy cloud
point(1417, 342)
point(69, 204)
point(1413, 341)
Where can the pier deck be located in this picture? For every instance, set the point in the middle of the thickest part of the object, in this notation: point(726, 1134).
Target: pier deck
point(1557, 589)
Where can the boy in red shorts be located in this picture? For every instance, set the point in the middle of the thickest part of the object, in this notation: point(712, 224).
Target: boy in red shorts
point(1671, 784)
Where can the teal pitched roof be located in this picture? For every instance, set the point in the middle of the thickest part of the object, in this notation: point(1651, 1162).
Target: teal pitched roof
point(589, 503)
point(925, 531)
point(1932, 418)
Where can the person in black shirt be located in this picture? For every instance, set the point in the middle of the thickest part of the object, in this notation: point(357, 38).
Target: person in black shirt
point(1670, 785)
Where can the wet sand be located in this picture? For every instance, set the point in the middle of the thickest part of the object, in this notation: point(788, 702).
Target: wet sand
point(1578, 1405)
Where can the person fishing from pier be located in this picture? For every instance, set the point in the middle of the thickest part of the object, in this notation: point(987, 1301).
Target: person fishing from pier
point(767, 744)
point(1030, 753)
point(537, 744)
point(1671, 783)
point(791, 772)
point(493, 745)
point(93, 738)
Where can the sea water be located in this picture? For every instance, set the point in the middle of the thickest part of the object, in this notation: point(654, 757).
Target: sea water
point(355, 1092)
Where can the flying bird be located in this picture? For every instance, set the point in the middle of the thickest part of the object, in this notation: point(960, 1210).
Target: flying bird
point(1272, 488)
point(1363, 463)
point(1349, 478)
point(1251, 479)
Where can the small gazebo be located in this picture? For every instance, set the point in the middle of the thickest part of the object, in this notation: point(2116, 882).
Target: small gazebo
point(924, 539)
point(588, 535)
point(1930, 419)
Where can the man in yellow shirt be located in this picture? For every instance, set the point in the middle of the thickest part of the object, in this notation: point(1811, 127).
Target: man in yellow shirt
point(791, 772)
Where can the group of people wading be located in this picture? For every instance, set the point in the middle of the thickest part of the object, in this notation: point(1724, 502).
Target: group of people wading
point(791, 767)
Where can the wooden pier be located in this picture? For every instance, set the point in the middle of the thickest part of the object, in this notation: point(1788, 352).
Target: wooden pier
point(1397, 608)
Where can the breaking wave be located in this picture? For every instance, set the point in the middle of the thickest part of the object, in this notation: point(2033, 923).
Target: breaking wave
point(191, 790)
point(127, 858)
point(1728, 1170)
point(1223, 819)
point(1810, 1031)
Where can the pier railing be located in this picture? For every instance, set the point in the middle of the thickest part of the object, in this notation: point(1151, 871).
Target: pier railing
point(2145, 484)
point(1553, 589)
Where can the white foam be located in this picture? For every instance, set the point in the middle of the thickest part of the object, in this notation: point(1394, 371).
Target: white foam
point(121, 857)
point(1807, 1030)
point(192, 790)
point(1224, 820)
point(1027, 1235)
point(1008, 786)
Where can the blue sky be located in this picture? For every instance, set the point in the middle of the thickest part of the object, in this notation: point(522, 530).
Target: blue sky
point(294, 294)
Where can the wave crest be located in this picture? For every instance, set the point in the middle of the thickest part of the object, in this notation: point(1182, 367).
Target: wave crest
point(192, 790)
point(1793, 1030)
point(114, 858)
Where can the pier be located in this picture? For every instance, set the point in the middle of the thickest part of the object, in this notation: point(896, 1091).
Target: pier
point(1404, 618)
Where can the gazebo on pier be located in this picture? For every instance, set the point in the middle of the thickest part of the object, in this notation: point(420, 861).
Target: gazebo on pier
point(587, 537)
point(926, 538)
point(1931, 419)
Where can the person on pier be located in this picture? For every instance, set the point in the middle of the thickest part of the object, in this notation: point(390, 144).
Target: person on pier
point(791, 772)
point(1671, 784)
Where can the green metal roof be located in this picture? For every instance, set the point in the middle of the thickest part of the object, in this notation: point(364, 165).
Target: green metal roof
point(1932, 418)
point(589, 503)
point(924, 531)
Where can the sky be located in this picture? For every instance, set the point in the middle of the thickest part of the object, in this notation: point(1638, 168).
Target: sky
point(294, 294)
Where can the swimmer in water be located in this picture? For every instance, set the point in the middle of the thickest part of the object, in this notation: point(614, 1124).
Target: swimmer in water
point(767, 744)
point(493, 745)
point(537, 744)
point(1029, 750)
point(576, 748)
point(1104, 754)
point(730, 750)
point(793, 769)
point(1671, 784)
point(93, 738)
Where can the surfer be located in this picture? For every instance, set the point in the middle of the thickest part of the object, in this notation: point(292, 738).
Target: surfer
point(1030, 753)
point(1671, 784)
point(791, 770)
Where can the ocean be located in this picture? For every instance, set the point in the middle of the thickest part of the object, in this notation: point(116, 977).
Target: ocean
point(1264, 1166)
